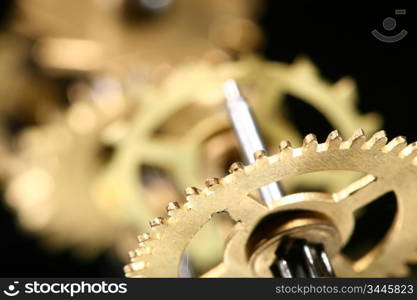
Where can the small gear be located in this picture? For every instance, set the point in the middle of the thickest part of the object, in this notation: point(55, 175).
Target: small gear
point(321, 217)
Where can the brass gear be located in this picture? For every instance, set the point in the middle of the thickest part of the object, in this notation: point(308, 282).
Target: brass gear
point(108, 40)
point(389, 167)
point(194, 91)
point(112, 192)
point(49, 176)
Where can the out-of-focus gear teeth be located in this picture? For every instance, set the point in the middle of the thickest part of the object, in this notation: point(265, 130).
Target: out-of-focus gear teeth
point(377, 141)
point(236, 167)
point(344, 88)
point(338, 207)
point(109, 50)
point(396, 145)
point(259, 154)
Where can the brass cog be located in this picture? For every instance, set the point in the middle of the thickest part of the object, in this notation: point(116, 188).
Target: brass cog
point(194, 91)
point(49, 181)
point(111, 191)
point(121, 36)
point(389, 167)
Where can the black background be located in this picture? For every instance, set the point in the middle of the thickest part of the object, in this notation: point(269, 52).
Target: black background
point(336, 36)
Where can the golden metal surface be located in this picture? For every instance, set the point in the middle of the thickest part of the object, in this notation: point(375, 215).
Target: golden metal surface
point(388, 167)
point(178, 126)
point(49, 181)
point(181, 126)
point(118, 36)
point(266, 237)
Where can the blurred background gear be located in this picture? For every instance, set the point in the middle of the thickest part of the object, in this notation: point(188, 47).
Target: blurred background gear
point(75, 79)
point(78, 78)
point(118, 36)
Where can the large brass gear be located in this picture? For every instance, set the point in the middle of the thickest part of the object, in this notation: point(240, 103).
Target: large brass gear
point(112, 193)
point(328, 218)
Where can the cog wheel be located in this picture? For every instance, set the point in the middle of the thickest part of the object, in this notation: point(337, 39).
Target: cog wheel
point(327, 218)
point(113, 193)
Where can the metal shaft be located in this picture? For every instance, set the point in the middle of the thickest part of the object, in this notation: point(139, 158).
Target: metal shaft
point(299, 258)
point(248, 135)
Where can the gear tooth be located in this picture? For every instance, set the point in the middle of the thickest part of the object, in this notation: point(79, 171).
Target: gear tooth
point(132, 254)
point(158, 221)
point(345, 88)
point(191, 191)
point(396, 145)
point(127, 269)
point(211, 182)
point(333, 140)
point(285, 149)
point(377, 141)
point(138, 265)
point(304, 63)
point(172, 206)
point(235, 167)
point(144, 237)
point(259, 154)
point(357, 134)
point(409, 152)
point(355, 141)
point(310, 142)
point(284, 146)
